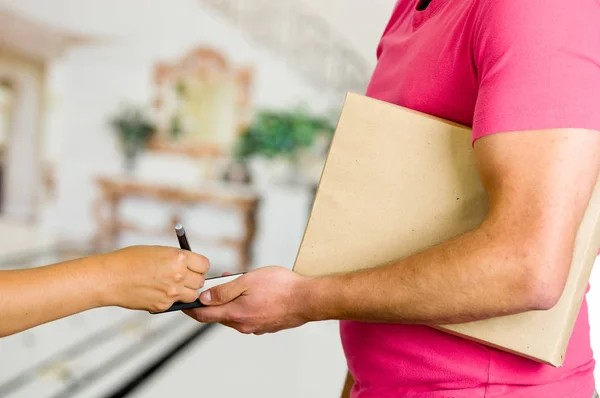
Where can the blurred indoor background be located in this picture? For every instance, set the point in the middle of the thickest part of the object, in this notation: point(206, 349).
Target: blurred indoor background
point(119, 119)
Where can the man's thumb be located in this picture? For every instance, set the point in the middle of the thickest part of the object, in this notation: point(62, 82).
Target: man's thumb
point(222, 294)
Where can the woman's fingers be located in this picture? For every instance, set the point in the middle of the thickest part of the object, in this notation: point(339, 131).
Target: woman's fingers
point(188, 295)
point(193, 280)
point(197, 262)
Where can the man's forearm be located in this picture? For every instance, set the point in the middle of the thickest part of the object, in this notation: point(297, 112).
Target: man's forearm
point(472, 277)
point(35, 296)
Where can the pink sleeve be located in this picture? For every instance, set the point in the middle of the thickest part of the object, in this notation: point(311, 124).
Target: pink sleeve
point(538, 65)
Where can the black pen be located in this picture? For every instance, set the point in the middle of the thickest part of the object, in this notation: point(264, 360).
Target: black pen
point(182, 237)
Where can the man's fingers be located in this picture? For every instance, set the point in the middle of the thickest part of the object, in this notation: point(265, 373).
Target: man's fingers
point(224, 293)
point(242, 327)
point(232, 325)
point(226, 274)
point(223, 315)
point(210, 314)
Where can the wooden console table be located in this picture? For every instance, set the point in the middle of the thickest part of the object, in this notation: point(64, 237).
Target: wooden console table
point(115, 189)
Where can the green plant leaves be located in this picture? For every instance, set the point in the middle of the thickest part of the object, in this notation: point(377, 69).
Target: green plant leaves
point(133, 127)
point(281, 133)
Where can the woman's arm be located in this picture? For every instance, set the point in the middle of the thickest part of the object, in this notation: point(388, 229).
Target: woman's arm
point(148, 278)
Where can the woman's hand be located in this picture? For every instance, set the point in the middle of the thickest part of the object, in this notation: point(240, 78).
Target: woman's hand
point(152, 278)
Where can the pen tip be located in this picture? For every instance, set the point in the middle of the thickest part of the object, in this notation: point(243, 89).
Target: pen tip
point(179, 230)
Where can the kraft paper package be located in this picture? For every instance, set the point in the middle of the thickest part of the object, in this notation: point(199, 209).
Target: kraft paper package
point(397, 182)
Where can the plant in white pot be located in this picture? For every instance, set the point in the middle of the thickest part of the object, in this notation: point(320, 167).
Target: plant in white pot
point(134, 129)
point(274, 142)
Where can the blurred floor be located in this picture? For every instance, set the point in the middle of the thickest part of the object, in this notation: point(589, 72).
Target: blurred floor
point(298, 363)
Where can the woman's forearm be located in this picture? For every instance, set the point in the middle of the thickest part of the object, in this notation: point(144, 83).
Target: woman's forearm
point(149, 278)
point(32, 297)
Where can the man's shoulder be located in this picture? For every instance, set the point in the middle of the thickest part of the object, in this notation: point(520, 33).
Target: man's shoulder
point(534, 11)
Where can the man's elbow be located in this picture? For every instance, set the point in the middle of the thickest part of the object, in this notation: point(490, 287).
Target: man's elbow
point(544, 282)
point(544, 298)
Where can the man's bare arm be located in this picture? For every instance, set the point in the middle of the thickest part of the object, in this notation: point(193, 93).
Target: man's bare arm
point(539, 184)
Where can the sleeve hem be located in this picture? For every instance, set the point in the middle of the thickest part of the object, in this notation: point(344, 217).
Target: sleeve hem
point(548, 119)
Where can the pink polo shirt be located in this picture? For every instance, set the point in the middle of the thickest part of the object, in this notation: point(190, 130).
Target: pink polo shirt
point(498, 66)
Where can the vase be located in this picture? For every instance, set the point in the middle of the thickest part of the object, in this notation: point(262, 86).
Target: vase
point(277, 171)
point(236, 172)
point(130, 157)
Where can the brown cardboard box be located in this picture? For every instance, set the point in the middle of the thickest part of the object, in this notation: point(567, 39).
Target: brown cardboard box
point(396, 182)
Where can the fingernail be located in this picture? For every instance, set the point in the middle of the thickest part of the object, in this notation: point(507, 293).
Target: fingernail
point(206, 297)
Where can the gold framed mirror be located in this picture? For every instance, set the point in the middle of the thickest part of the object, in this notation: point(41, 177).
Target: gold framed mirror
point(202, 104)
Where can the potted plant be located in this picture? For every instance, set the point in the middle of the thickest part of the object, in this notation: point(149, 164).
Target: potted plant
point(134, 129)
point(278, 139)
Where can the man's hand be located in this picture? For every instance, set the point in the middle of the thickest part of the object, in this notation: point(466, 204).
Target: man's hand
point(266, 300)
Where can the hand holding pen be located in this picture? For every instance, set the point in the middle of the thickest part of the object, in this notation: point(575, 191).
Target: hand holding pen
point(208, 283)
point(185, 245)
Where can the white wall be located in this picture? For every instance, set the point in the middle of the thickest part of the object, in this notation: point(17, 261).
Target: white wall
point(21, 163)
point(360, 22)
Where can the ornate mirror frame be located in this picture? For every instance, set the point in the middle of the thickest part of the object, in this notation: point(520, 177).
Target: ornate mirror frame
point(182, 103)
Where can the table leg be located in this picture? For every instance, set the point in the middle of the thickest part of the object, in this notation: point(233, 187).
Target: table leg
point(248, 241)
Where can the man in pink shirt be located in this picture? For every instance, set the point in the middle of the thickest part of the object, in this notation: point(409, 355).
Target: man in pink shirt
point(526, 76)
